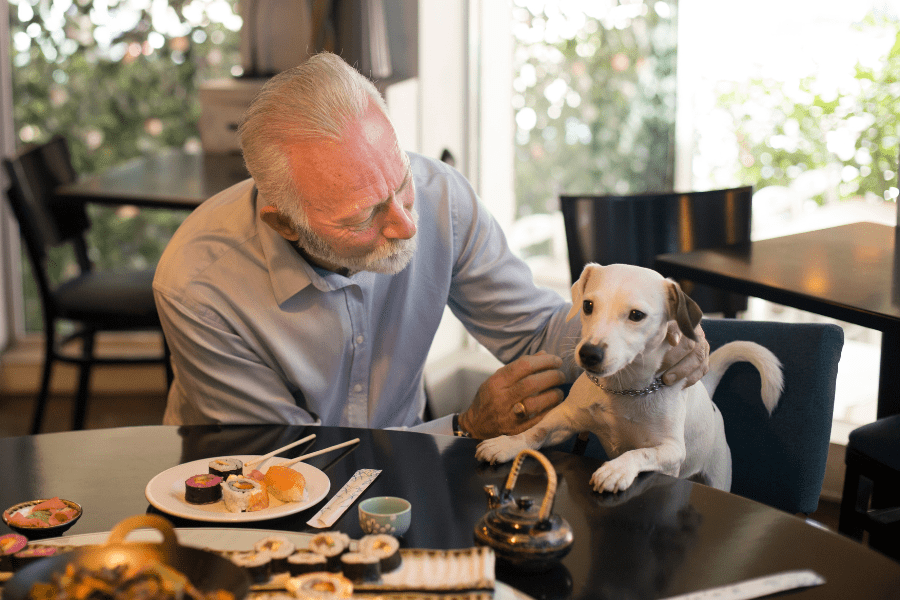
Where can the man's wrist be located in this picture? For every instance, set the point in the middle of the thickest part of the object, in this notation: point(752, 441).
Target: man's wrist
point(458, 429)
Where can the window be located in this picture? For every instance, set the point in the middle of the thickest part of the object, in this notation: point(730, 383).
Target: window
point(118, 78)
point(796, 98)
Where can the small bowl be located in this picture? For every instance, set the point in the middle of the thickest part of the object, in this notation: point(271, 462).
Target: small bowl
point(39, 533)
point(385, 514)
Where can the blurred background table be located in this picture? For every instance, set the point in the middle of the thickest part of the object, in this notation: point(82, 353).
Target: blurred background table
point(664, 536)
point(850, 273)
point(174, 179)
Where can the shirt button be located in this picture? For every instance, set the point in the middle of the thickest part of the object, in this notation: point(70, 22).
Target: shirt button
point(357, 388)
point(360, 339)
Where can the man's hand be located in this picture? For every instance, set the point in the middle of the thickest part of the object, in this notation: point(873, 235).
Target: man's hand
point(689, 360)
point(515, 397)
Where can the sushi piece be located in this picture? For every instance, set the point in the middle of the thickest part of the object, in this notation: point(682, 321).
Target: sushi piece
point(384, 547)
point(330, 544)
point(242, 494)
point(359, 568)
point(203, 489)
point(9, 545)
point(279, 547)
point(316, 586)
point(257, 564)
point(300, 563)
point(29, 554)
point(223, 467)
point(286, 484)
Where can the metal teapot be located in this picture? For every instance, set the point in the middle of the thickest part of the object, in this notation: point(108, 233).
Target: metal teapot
point(522, 535)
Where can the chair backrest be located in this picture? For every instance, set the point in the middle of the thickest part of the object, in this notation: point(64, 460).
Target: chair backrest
point(780, 460)
point(44, 222)
point(635, 229)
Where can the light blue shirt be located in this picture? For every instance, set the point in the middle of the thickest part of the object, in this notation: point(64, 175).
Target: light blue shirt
point(258, 335)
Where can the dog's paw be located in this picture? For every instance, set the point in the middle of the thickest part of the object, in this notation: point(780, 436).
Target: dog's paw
point(499, 449)
point(613, 476)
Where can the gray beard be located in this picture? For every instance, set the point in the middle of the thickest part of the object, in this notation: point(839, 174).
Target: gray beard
point(389, 258)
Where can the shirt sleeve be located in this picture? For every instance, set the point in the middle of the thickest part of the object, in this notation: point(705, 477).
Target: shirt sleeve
point(493, 292)
point(224, 379)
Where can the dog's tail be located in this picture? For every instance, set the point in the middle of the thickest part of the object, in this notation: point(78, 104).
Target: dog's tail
point(766, 363)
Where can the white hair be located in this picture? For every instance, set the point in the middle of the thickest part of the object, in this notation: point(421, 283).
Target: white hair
point(317, 99)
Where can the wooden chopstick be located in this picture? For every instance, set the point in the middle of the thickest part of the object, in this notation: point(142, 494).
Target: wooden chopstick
point(282, 449)
point(318, 452)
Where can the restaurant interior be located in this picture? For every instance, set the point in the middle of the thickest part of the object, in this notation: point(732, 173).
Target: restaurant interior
point(684, 98)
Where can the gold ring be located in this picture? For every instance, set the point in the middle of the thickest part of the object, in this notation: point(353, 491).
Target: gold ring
point(519, 409)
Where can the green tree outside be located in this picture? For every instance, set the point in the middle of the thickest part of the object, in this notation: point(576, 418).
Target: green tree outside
point(119, 79)
point(788, 129)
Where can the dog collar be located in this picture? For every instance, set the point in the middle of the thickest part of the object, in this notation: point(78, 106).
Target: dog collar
point(654, 385)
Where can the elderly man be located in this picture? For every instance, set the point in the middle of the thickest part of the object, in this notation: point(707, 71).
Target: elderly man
point(311, 293)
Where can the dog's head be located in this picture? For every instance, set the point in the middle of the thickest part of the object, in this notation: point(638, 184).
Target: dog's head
point(627, 313)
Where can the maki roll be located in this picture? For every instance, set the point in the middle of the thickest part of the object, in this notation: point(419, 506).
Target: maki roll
point(384, 547)
point(257, 564)
point(279, 547)
point(313, 586)
point(304, 562)
point(223, 467)
point(242, 494)
point(9, 545)
point(330, 544)
point(359, 568)
point(203, 489)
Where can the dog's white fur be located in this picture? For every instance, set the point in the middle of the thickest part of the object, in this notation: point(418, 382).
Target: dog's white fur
point(636, 318)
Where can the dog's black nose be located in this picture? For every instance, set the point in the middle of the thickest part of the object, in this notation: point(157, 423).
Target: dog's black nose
point(591, 356)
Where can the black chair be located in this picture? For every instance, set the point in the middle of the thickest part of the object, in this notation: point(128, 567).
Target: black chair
point(871, 498)
point(91, 301)
point(635, 229)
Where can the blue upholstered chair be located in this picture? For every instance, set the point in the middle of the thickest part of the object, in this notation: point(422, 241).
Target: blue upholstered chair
point(780, 460)
point(777, 460)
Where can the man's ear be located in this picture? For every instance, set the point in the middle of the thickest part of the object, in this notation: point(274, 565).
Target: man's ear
point(279, 222)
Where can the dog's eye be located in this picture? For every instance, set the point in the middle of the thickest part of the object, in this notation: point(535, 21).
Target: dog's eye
point(587, 307)
point(636, 316)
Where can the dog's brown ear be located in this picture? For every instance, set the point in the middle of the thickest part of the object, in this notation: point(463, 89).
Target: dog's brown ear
point(578, 290)
point(684, 310)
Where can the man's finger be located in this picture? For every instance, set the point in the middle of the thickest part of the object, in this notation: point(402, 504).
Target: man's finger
point(539, 404)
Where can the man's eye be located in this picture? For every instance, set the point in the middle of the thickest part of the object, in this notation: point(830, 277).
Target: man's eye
point(587, 307)
point(636, 316)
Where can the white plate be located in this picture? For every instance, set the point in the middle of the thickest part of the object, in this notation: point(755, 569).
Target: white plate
point(221, 539)
point(166, 492)
point(205, 538)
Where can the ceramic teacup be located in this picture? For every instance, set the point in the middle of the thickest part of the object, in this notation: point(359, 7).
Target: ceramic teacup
point(385, 514)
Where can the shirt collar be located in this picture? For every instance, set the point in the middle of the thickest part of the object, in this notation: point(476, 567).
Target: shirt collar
point(289, 273)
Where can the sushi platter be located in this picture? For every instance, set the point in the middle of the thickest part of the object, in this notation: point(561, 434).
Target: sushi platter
point(462, 573)
point(167, 490)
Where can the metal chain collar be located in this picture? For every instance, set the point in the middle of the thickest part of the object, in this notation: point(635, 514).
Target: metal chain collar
point(655, 385)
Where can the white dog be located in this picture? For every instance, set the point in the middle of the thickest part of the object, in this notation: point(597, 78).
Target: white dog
point(631, 317)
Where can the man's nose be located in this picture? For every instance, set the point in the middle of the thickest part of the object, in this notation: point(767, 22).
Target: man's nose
point(399, 223)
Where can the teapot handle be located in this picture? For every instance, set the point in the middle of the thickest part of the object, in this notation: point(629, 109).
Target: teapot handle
point(547, 503)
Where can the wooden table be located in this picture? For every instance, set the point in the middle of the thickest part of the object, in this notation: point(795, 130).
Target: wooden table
point(662, 537)
point(172, 179)
point(850, 273)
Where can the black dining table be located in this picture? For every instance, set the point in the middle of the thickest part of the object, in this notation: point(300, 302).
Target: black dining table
point(172, 179)
point(850, 273)
point(662, 537)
